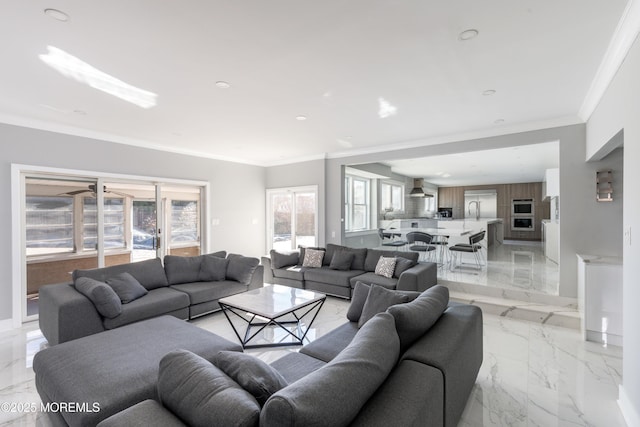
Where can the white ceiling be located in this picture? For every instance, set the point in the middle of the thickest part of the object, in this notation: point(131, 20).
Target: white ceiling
point(335, 62)
point(525, 163)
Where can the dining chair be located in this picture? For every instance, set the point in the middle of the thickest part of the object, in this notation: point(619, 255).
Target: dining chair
point(474, 247)
point(421, 243)
point(393, 242)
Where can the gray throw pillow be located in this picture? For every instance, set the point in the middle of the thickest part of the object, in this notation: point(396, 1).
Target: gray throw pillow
point(182, 269)
point(253, 375)
point(212, 268)
point(415, 318)
point(127, 287)
point(334, 394)
point(378, 300)
point(201, 394)
point(241, 268)
point(358, 298)
point(402, 265)
point(280, 260)
point(342, 260)
point(101, 295)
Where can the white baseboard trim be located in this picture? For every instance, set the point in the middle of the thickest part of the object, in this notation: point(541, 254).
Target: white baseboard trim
point(630, 414)
point(6, 325)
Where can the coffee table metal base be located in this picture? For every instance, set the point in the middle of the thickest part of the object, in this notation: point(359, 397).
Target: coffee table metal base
point(257, 324)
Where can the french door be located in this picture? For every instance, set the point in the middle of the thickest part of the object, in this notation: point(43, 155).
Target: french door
point(292, 215)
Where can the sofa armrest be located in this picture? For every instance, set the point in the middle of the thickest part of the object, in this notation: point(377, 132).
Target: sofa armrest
point(65, 314)
point(268, 272)
point(419, 277)
point(454, 346)
point(257, 280)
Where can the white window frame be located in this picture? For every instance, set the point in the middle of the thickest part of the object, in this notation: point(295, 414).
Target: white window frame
point(350, 205)
point(391, 185)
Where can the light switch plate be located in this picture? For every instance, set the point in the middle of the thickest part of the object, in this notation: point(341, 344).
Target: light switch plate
point(627, 236)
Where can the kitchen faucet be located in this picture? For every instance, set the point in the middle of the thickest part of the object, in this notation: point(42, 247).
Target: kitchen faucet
point(477, 203)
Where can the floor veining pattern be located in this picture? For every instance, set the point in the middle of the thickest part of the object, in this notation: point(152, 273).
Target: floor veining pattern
point(533, 374)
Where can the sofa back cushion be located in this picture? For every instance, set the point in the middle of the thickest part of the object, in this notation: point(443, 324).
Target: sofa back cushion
point(213, 268)
point(149, 273)
point(127, 287)
point(415, 318)
point(373, 255)
point(101, 295)
point(334, 394)
point(359, 298)
point(284, 259)
point(182, 269)
point(359, 255)
point(241, 268)
point(201, 394)
point(251, 373)
point(402, 265)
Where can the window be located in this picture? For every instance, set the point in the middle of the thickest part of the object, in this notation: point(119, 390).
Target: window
point(357, 206)
point(184, 221)
point(49, 224)
point(392, 196)
point(113, 223)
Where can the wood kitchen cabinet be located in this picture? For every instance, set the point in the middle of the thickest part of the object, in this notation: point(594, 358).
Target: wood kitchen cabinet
point(453, 197)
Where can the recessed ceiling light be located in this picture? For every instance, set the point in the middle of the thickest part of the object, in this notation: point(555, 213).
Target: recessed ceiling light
point(223, 85)
point(489, 92)
point(498, 121)
point(468, 34)
point(80, 112)
point(301, 118)
point(57, 14)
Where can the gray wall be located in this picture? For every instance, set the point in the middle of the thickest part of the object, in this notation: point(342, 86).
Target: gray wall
point(236, 191)
point(298, 175)
point(577, 190)
point(619, 110)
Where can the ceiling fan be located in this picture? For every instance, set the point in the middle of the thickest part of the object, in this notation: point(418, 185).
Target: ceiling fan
point(92, 188)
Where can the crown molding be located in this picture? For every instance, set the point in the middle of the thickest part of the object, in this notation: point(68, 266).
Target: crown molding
point(623, 38)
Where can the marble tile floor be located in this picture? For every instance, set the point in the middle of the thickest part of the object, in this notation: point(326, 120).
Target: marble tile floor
point(533, 374)
point(512, 265)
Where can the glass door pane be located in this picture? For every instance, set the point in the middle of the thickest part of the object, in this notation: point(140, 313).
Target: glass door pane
point(282, 207)
point(182, 219)
point(305, 224)
point(143, 226)
point(53, 235)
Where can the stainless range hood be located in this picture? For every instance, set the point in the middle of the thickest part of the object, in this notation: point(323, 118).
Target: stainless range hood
point(417, 190)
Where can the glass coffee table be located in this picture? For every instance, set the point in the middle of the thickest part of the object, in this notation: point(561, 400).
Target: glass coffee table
point(277, 306)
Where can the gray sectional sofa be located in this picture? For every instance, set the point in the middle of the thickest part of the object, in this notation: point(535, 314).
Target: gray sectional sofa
point(287, 269)
point(414, 364)
point(185, 287)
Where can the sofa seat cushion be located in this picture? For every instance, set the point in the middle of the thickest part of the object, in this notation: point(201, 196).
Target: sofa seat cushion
point(332, 277)
point(117, 368)
point(156, 303)
point(202, 395)
point(334, 394)
point(294, 366)
point(293, 273)
point(146, 413)
point(328, 346)
point(371, 278)
point(149, 273)
point(200, 292)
